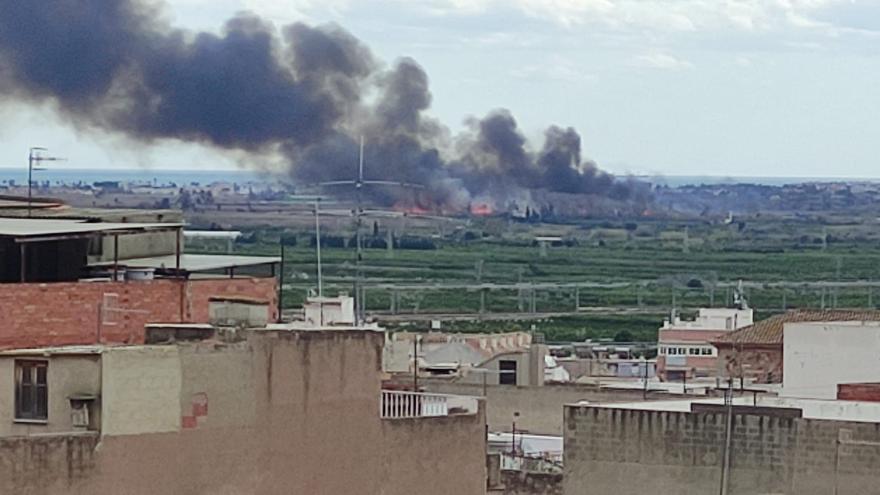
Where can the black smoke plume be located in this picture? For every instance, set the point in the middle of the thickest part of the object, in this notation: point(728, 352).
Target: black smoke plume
point(304, 92)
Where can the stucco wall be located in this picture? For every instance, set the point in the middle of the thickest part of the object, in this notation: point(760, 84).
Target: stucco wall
point(65, 376)
point(539, 408)
point(283, 413)
point(819, 356)
point(141, 390)
point(624, 451)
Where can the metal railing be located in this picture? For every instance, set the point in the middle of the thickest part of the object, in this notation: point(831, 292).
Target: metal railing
point(396, 404)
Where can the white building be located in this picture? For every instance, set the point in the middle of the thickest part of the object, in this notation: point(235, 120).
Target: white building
point(819, 356)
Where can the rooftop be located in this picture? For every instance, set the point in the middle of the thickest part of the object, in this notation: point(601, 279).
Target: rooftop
point(195, 262)
point(37, 229)
point(835, 410)
point(769, 331)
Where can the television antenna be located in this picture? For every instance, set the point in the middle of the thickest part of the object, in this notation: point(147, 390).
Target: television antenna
point(358, 183)
point(36, 156)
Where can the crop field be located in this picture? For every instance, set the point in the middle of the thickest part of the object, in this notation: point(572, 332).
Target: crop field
point(654, 268)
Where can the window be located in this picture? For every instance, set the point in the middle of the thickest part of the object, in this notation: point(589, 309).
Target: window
point(694, 351)
point(682, 351)
point(31, 392)
point(707, 351)
point(508, 372)
point(662, 351)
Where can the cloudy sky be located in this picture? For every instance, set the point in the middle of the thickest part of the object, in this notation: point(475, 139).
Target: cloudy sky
point(675, 87)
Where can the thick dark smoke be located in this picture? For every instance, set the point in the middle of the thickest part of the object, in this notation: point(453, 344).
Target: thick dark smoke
point(116, 66)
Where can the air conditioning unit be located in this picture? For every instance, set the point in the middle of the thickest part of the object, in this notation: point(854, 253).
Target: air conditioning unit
point(80, 406)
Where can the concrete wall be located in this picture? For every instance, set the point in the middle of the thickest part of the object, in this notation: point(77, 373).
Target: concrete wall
point(626, 451)
point(282, 413)
point(141, 387)
point(139, 246)
point(522, 483)
point(65, 376)
point(539, 408)
point(38, 315)
point(819, 356)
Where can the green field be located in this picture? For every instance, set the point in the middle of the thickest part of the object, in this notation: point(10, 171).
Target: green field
point(660, 266)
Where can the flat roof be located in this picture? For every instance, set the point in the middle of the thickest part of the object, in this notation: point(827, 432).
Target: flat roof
point(834, 410)
point(36, 229)
point(195, 262)
point(55, 351)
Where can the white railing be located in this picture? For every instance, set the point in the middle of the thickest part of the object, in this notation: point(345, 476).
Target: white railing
point(407, 405)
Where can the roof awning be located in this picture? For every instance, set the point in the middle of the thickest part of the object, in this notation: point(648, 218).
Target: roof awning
point(42, 230)
point(195, 262)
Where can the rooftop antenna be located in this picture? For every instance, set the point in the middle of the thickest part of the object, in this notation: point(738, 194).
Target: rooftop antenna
point(35, 157)
point(359, 182)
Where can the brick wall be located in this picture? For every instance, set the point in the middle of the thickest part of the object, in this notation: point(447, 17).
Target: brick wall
point(859, 391)
point(625, 451)
point(761, 364)
point(49, 314)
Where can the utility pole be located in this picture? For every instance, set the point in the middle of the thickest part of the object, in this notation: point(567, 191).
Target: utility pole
point(728, 435)
point(415, 362)
point(35, 157)
point(318, 246)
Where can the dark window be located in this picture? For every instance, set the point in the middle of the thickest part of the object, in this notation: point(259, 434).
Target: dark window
point(31, 393)
point(508, 372)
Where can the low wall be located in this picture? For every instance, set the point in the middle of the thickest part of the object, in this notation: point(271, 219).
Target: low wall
point(522, 483)
point(67, 313)
point(539, 408)
point(47, 464)
point(626, 451)
point(283, 413)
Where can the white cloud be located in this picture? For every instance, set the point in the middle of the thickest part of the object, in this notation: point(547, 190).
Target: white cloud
point(664, 61)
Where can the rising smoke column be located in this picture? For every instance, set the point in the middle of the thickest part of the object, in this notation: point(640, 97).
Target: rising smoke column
point(303, 92)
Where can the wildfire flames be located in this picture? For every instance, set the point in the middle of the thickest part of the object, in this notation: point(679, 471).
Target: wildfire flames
point(481, 209)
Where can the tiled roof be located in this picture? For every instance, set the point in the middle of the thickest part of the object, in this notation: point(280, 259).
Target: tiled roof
point(769, 331)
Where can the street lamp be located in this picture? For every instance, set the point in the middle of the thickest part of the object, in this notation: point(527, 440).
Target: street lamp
point(35, 157)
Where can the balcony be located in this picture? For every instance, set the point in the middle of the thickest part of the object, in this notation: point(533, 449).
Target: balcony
point(413, 405)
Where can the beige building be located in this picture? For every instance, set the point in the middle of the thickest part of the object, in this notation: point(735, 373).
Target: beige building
point(278, 413)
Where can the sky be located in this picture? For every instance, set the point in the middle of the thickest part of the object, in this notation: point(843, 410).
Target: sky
point(672, 87)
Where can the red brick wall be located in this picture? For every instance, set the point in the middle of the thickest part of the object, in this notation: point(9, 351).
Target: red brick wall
point(859, 391)
point(51, 314)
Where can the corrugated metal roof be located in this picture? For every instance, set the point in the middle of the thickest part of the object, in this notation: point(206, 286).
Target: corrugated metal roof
point(195, 262)
point(769, 331)
point(34, 227)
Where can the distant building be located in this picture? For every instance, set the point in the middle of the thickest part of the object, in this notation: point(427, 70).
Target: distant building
point(684, 347)
point(755, 352)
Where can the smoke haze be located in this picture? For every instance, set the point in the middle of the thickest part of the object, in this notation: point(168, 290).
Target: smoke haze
point(303, 92)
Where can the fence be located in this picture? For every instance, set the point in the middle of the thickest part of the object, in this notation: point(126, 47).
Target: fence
point(407, 405)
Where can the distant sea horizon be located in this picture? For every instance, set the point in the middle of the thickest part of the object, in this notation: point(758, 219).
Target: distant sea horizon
point(181, 177)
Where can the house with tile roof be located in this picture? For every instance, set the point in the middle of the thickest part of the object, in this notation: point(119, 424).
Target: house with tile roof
point(755, 352)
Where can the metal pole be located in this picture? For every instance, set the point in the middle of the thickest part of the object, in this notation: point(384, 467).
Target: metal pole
point(415, 363)
point(318, 250)
point(115, 257)
point(30, 177)
point(728, 434)
point(281, 284)
point(23, 260)
point(645, 385)
point(177, 252)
